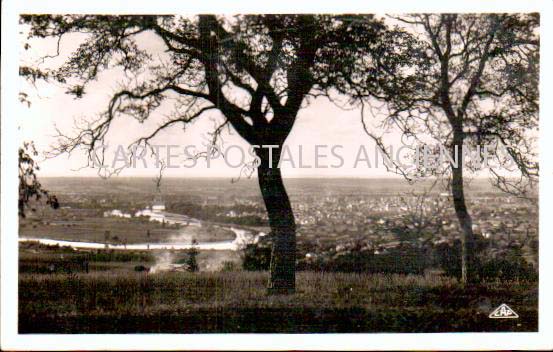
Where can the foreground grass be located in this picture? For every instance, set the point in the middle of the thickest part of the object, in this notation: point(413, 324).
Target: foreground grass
point(237, 302)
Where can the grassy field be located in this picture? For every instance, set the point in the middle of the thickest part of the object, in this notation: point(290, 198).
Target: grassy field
point(127, 302)
point(129, 230)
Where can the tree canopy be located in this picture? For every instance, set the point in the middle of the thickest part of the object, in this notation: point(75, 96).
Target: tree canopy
point(258, 70)
point(476, 74)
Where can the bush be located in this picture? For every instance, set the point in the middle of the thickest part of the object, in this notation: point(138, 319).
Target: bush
point(120, 256)
point(448, 257)
point(54, 264)
point(141, 268)
point(257, 257)
point(508, 268)
point(505, 264)
point(404, 259)
point(229, 266)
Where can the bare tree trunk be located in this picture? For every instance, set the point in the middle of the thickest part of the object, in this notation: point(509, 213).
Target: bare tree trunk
point(465, 220)
point(282, 223)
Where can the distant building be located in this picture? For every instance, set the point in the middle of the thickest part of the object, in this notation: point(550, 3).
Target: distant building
point(143, 212)
point(157, 213)
point(117, 213)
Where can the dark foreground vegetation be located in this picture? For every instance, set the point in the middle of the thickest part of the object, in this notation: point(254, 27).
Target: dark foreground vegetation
point(128, 302)
point(407, 257)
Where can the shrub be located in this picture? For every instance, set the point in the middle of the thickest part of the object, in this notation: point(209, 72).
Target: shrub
point(192, 257)
point(404, 259)
point(257, 257)
point(448, 257)
point(504, 264)
point(509, 267)
point(141, 268)
point(229, 266)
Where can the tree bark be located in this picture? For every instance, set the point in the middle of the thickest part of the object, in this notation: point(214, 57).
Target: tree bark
point(465, 220)
point(283, 226)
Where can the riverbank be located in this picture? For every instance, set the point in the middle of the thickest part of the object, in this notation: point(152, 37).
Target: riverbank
point(242, 237)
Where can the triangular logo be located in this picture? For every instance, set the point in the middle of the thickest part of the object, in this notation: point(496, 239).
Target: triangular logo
point(503, 312)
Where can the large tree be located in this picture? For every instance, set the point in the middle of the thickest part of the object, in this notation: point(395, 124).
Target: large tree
point(473, 82)
point(257, 70)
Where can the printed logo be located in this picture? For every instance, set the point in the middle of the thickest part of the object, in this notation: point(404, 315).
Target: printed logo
point(503, 312)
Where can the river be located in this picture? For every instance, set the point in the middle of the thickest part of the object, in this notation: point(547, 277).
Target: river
point(243, 237)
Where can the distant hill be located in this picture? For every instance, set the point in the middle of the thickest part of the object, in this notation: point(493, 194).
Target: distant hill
point(244, 187)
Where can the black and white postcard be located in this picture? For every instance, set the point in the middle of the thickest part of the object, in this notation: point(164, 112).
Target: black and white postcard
point(201, 175)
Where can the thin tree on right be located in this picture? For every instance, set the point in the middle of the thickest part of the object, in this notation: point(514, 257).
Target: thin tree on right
point(471, 91)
